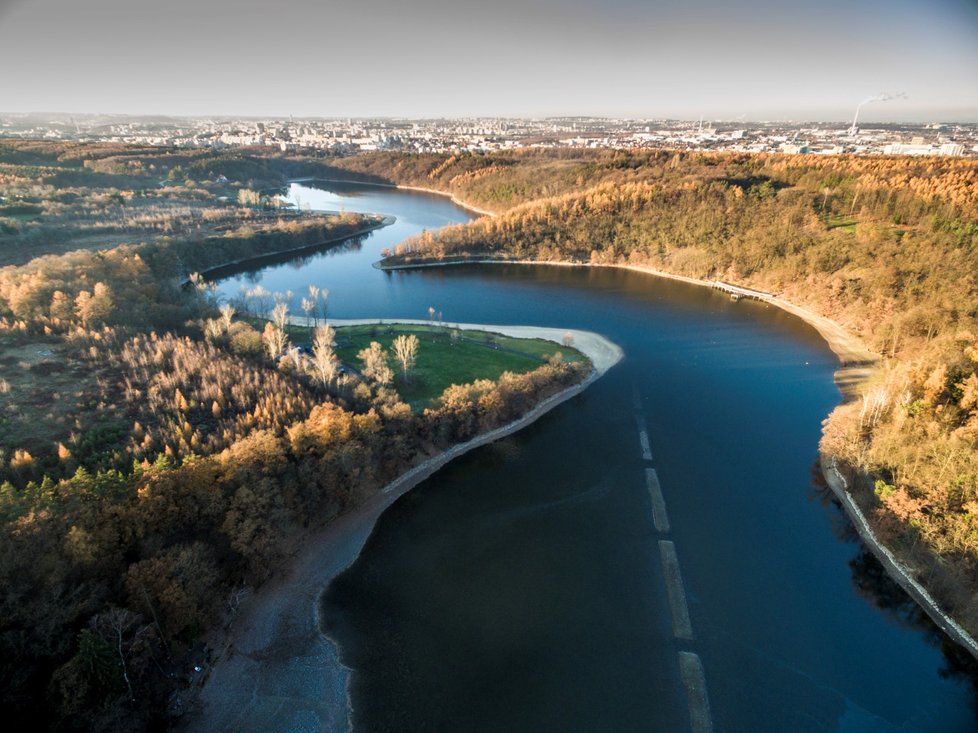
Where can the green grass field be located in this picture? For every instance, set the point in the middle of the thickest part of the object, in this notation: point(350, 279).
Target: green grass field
point(838, 221)
point(444, 361)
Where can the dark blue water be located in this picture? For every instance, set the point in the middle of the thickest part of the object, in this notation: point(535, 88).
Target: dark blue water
point(520, 588)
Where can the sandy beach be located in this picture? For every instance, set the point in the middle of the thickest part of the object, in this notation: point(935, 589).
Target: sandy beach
point(273, 670)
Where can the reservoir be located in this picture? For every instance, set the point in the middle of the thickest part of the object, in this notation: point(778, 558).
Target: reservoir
point(523, 586)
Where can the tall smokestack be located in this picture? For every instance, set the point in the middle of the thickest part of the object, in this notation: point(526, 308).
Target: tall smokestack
point(881, 97)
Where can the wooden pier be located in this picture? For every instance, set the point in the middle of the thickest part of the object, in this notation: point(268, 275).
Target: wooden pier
point(737, 292)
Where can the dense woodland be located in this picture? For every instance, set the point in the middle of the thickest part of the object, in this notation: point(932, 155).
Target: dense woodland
point(888, 247)
point(160, 456)
point(157, 453)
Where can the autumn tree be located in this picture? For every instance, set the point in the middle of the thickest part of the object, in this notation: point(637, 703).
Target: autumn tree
point(375, 367)
point(94, 307)
point(247, 197)
point(61, 308)
point(177, 584)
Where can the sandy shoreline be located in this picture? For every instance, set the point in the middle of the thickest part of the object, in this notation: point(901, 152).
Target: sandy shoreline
point(274, 670)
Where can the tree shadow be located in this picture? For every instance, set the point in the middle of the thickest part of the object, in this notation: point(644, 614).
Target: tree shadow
point(874, 584)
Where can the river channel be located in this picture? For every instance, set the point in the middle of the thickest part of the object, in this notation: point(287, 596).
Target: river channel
point(523, 587)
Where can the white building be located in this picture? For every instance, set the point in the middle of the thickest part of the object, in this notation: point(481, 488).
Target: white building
point(905, 149)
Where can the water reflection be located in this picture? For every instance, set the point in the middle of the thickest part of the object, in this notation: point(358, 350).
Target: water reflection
point(874, 584)
point(255, 268)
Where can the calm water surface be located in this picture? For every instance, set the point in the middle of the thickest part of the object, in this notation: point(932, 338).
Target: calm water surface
point(520, 588)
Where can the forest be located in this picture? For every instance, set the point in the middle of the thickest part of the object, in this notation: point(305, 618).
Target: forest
point(162, 454)
point(885, 246)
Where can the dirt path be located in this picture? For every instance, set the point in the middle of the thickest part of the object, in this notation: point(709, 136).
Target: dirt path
point(274, 670)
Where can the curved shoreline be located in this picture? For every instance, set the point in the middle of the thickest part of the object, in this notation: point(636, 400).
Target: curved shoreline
point(385, 221)
point(850, 351)
point(276, 670)
point(856, 365)
point(894, 568)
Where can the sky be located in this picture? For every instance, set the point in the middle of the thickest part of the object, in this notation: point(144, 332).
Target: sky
point(720, 59)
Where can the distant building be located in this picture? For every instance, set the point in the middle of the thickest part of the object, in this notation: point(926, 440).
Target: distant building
point(908, 149)
point(952, 149)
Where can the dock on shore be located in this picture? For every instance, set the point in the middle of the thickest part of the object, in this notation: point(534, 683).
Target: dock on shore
point(737, 292)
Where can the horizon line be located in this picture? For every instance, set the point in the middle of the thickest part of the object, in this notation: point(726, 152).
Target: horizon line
point(527, 117)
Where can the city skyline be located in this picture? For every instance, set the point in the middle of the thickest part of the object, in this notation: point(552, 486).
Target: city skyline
point(757, 60)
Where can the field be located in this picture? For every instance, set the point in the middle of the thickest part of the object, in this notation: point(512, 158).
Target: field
point(43, 391)
point(447, 356)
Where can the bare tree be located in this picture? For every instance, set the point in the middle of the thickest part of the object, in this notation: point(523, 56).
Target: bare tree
point(324, 362)
point(227, 313)
point(234, 601)
point(406, 352)
point(308, 306)
point(280, 315)
point(113, 626)
point(275, 340)
point(321, 299)
point(375, 366)
point(261, 298)
point(281, 298)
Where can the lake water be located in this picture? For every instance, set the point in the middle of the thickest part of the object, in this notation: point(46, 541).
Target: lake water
point(521, 587)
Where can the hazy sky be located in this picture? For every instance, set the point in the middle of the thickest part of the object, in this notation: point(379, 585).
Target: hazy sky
point(761, 59)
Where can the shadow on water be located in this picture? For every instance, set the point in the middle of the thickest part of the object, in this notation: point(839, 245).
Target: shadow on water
point(297, 258)
point(872, 583)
